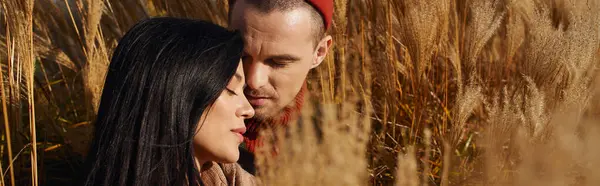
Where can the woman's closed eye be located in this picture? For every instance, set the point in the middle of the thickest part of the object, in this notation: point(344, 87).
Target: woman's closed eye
point(231, 92)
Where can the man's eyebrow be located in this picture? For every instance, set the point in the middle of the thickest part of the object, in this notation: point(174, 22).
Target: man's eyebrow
point(285, 57)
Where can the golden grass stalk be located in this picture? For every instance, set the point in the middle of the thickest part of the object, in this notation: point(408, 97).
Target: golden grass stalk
point(75, 25)
point(30, 70)
point(20, 22)
point(426, 166)
point(446, 164)
point(7, 133)
point(406, 172)
point(28, 10)
point(92, 21)
point(5, 111)
point(1, 175)
point(341, 40)
point(486, 20)
point(94, 73)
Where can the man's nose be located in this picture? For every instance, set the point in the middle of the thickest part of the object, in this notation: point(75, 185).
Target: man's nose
point(257, 75)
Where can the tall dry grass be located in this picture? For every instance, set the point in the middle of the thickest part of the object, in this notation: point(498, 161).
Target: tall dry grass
point(415, 92)
point(20, 62)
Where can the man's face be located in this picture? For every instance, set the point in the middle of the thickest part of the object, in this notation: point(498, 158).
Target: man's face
point(279, 52)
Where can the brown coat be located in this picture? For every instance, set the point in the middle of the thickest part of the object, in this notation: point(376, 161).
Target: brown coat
point(226, 174)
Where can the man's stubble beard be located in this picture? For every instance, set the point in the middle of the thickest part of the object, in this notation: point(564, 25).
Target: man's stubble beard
point(267, 114)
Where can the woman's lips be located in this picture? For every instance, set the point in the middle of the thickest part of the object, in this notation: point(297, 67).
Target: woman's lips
point(240, 133)
point(240, 136)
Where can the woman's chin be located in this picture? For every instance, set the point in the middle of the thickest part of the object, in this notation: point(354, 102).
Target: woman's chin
point(230, 157)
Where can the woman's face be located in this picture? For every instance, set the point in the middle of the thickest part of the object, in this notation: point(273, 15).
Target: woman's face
point(221, 126)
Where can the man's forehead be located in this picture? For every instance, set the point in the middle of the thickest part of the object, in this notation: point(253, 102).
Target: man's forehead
point(273, 25)
point(268, 46)
point(275, 33)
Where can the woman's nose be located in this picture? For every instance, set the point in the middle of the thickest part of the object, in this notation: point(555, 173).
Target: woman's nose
point(246, 111)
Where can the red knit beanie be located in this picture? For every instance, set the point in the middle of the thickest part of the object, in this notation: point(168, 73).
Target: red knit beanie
point(324, 7)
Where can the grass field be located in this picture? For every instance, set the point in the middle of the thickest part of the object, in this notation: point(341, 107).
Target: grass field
point(414, 92)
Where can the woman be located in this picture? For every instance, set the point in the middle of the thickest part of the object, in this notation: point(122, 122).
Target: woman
point(171, 107)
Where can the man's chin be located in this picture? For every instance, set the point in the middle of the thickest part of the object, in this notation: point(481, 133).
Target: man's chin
point(264, 113)
point(261, 114)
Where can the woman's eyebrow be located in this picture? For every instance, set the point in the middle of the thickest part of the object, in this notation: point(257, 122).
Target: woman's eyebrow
point(238, 76)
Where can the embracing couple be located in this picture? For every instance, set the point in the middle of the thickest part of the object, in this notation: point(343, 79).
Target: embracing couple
point(184, 100)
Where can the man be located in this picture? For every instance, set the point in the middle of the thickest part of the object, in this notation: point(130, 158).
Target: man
point(284, 40)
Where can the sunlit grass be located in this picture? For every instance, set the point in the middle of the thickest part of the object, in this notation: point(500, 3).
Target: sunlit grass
point(414, 92)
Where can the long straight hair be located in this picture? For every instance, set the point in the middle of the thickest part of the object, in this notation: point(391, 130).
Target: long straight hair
point(163, 74)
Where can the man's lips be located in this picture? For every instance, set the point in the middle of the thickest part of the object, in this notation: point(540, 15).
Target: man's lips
point(257, 100)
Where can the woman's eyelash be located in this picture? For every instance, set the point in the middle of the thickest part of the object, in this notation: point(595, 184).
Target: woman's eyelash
point(231, 91)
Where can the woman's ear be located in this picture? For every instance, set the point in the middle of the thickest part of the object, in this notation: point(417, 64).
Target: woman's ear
point(322, 50)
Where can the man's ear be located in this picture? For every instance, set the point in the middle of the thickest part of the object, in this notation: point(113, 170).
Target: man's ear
point(322, 50)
